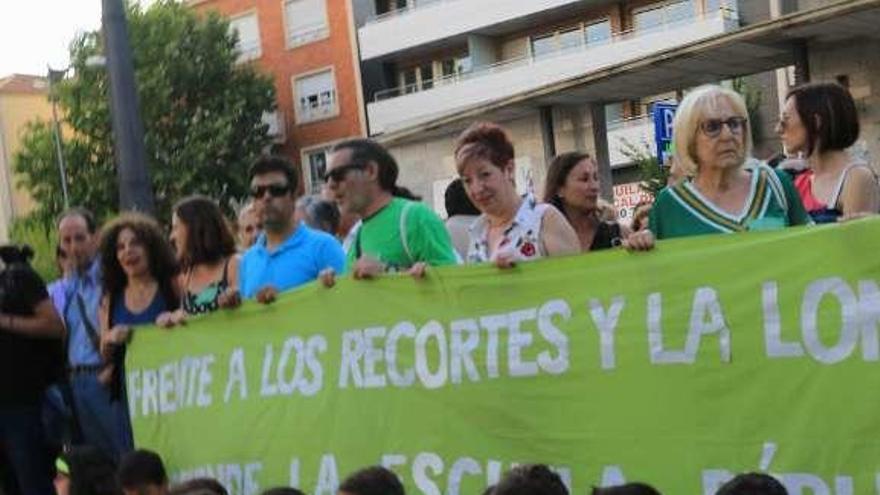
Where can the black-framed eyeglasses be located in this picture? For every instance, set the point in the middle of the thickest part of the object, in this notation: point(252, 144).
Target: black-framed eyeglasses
point(712, 127)
point(274, 190)
point(338, 173)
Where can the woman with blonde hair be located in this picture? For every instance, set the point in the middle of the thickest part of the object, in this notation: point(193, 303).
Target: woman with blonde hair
point(722, 194)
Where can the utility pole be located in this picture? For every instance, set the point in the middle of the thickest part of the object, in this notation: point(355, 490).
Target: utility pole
point(55, 77)
point(135, 190)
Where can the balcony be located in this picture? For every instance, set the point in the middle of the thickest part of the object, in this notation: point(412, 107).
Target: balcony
point(399, 108)
point(428, 21)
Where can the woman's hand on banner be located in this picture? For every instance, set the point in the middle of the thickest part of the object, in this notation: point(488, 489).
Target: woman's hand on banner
point(267, 295)
point(366, 268)
point(169, 319)
point(642, 240)
point(418, 270)
point(327, 277)
point(229, 299)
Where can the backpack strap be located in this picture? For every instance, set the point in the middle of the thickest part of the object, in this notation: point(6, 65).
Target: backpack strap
point(404, 233)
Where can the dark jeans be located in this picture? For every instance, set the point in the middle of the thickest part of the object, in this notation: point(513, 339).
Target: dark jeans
point(22, 441)
point(104, 422)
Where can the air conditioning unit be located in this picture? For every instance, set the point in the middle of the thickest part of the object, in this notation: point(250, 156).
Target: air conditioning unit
point(275, 121)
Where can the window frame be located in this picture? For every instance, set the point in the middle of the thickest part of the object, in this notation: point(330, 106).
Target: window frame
point(243, 56)
point(307, 37)
point(696, 5)
point(298, 116)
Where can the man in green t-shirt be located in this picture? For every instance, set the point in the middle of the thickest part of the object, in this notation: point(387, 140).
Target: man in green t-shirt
point(397, 232)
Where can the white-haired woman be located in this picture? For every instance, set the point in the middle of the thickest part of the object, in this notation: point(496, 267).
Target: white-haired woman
point(712, 144)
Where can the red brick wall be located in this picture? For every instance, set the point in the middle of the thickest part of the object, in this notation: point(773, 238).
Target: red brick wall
point(283, 64)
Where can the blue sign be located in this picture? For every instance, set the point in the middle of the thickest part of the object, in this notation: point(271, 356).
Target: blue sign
point(664, 114)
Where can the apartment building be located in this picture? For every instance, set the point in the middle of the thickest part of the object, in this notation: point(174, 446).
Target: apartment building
point(562, 75)
point(23, 99)
point(308, 46)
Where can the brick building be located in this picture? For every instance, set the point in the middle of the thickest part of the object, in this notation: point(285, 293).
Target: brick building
point(309, 47)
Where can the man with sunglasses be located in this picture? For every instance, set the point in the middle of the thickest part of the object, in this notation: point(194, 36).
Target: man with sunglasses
point(396, 233)
point(287, 254)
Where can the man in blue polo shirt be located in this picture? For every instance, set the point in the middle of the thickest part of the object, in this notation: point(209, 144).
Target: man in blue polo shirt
point(287, 254)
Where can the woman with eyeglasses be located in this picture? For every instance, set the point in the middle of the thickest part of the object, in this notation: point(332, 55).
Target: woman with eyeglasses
point(819, 122)
point(205, 249)
point(713, 141)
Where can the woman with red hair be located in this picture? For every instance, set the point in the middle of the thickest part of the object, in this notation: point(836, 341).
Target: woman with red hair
point(511, 228)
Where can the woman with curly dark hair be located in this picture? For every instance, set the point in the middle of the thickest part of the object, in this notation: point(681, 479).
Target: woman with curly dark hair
point(139, 282)
point(205, 248)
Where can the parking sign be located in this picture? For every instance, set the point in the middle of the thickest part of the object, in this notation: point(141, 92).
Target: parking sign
point(664, 113)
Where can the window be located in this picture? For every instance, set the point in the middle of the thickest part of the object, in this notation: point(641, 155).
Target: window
point(386, 6)
point(315, 97)
point(426, 74)
point(613, 113)
point(248, 30)
point(668, 12)
point(409, 80)
point(447, 67)
point(713, 6)
point(306, 21)
point(571, 38)
point(317, 165)
point(598, 32)
point(543, 45)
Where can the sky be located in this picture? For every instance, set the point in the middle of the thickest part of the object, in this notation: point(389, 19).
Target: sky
point(34, 33)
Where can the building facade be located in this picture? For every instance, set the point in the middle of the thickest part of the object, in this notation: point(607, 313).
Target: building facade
point(308, 47)
point(563, 75)
point(23, 99)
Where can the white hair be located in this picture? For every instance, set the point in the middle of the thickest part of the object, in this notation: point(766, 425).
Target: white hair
point(689, 115)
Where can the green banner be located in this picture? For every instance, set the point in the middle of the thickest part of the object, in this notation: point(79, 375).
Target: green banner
point(706, 357)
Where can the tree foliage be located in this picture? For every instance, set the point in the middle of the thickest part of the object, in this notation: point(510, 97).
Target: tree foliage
point(202, 116)
point(652, 177)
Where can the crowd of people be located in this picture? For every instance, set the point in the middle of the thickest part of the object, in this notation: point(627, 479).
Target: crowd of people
point(87, 471)
point(128, 272)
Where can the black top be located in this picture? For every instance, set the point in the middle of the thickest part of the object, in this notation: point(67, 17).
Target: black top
point(607, 236)
point(27, 364)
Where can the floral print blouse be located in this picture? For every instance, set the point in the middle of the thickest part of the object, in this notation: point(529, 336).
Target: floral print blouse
point(522, 239)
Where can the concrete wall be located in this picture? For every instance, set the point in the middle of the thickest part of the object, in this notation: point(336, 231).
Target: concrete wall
point(859, 63)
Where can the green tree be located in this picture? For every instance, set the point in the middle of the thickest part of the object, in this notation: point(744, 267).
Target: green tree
point(201, 113)
point(652, 176)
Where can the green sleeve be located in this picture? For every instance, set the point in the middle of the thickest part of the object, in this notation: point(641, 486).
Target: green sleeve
point(428, 238)
point(655, 214)
point(797, 214)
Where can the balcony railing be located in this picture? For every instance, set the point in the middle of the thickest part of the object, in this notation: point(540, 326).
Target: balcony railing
point(728, 15)
point(415, 5)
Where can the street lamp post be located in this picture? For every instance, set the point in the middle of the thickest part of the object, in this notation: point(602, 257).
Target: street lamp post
point(135, 191)
point(54, 76)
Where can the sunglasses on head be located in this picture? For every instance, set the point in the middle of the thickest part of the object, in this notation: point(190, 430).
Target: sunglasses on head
point(713, 127)
point(338, 174)
point(275, 190)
